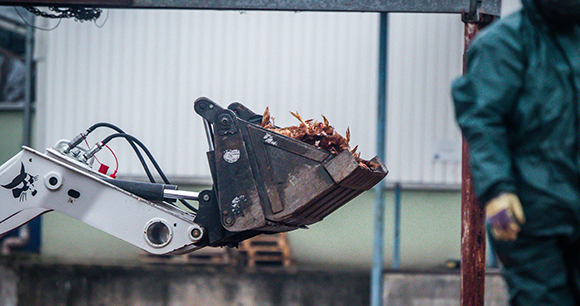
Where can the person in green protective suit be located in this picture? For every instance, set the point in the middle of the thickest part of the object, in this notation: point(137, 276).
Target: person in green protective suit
point(518, 106)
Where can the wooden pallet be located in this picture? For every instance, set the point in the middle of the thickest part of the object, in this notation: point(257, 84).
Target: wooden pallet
point(155, 259)
point(204, 256)
point(266, 250)
point(211, 256)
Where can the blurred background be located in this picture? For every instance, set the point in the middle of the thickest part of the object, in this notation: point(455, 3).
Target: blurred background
point(142, 69)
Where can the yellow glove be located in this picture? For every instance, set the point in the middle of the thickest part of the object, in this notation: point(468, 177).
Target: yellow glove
point(504, 215)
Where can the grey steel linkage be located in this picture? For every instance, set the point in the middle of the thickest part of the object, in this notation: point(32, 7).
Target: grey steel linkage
point(491, 7)
point(208, 134)
point(424, 6)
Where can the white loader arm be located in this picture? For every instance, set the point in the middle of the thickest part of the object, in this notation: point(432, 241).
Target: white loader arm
point(263, 182)
point(33, 183)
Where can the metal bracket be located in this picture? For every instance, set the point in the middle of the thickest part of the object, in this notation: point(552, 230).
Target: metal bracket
point(480, 19)
point(475, 15)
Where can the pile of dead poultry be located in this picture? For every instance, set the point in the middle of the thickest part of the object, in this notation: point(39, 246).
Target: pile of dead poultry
point(319, 134)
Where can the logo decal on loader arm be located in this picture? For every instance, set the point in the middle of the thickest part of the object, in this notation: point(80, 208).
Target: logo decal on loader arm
point(21, 184)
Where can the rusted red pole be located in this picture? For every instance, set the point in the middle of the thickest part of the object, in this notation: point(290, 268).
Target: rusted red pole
point(473, 240)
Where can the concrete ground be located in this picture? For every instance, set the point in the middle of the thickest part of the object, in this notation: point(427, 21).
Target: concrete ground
point(32, 283)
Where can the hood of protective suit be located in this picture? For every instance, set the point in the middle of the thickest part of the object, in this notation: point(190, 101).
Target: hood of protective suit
point(531, 9)
point(560, 15)
point(529, 5)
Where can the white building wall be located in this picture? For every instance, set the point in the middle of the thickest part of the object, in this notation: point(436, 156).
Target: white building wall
point(423, 142)
point(143, 69)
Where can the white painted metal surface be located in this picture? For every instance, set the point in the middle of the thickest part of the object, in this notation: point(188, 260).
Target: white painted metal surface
point(54, 182)
point(424, 143)
point(143, 69)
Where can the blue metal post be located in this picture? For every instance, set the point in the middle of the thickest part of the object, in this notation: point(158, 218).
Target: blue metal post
point(397, 239)
point(377, 271)
point(27, 125)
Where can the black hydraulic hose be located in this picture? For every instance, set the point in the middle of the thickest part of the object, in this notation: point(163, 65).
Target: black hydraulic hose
point(188, 205)
point(131, 142)
point(143, 147)
point(151, 158)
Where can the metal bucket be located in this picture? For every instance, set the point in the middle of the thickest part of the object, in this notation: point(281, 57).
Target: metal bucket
point(269, 182)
